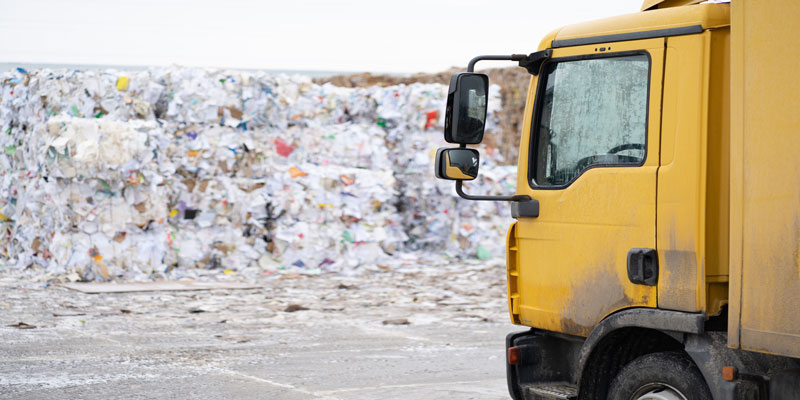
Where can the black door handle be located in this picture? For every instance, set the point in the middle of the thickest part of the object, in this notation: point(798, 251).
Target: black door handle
point(643, 266)
point(525, 207)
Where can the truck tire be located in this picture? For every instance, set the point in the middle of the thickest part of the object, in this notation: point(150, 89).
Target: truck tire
point(660, 376)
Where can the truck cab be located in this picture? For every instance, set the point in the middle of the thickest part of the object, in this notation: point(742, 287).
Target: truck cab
point(626, 257)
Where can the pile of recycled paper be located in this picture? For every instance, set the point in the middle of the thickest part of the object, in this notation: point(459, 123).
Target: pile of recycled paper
point(159, 173)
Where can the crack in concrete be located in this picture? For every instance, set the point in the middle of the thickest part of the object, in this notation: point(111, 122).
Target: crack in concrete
point(278, 384)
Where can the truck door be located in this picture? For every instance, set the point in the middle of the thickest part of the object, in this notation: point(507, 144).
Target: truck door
point(593, 131)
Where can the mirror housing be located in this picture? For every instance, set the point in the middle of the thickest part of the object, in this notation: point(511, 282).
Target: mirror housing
point(465, 116)
point(457, 164)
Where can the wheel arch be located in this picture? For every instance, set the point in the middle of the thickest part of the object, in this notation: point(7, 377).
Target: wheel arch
point(626, 335)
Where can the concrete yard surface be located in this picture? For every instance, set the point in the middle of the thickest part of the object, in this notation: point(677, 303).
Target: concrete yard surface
point(409, 333)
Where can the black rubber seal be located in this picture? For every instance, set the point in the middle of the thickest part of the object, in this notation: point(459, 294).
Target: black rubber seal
point(621, 37)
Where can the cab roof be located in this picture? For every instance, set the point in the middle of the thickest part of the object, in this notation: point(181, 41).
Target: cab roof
point(655, 22)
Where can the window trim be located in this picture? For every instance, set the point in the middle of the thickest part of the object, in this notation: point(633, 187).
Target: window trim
point(537, 109)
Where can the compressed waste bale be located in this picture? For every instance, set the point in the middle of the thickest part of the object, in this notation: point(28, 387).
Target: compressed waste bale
point(165, 172)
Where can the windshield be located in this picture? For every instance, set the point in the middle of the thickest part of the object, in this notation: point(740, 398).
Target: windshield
point(593, 112)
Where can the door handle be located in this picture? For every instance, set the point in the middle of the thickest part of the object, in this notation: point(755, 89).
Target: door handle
point(643, 266)
point(524, 207)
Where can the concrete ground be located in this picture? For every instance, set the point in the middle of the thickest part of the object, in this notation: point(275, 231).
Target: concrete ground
point(427, 332)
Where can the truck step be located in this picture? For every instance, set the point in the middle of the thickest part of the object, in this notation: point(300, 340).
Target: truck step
point(550, 390)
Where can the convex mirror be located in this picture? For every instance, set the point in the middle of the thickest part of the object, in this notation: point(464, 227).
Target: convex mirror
point(458, 164)
point(465, 116)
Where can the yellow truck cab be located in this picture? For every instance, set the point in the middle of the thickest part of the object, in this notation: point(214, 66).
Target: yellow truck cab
point(655, 253)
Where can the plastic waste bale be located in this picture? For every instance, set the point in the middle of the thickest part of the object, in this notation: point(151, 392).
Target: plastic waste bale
point(434, 217)
point(164, 172)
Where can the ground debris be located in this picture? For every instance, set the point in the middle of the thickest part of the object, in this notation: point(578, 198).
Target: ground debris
point(159, 286)
point(22, 325)
point(294, 307)
point(347, 287)
point(68, 314)
point(399, 321)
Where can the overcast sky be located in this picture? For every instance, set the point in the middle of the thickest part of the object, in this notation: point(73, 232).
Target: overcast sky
point(343, 35)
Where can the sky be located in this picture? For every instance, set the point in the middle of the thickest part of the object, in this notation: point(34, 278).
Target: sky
point(317, 35)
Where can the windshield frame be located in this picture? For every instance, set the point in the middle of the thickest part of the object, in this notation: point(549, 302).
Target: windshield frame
point(537, 111)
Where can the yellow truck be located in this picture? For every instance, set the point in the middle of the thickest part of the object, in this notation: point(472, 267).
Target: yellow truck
point(656, 248)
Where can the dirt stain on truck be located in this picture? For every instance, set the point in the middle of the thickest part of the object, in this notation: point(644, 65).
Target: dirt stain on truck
point(594, 296)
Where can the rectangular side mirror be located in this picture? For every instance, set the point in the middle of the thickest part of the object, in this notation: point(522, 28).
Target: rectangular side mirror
point(465, 116)
point(458, 164)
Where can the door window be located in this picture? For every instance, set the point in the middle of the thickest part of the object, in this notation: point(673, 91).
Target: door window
point(592, 112)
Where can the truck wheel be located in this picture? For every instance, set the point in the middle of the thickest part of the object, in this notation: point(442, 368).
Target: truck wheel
point(660, 376)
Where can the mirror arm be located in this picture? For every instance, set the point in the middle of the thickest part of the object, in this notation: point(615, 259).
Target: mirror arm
point(530, 62)
point(516, 197)
point(513, 57)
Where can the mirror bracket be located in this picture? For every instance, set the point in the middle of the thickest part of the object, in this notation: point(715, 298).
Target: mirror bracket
point(531, 62)
point(516, 197)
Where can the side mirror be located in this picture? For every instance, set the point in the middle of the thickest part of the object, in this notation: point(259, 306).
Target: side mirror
point(465, 116)
point(459, 164)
